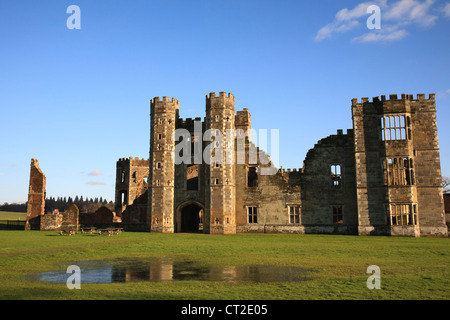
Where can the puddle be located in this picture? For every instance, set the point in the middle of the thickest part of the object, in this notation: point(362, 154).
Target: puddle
point(165, 269)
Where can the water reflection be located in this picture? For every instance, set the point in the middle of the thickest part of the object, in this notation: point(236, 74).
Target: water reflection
point(165, 269)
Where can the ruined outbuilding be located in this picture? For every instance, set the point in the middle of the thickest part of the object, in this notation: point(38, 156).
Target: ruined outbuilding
point(382, 177)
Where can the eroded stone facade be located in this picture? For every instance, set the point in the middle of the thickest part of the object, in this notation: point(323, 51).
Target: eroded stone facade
point(382, 177)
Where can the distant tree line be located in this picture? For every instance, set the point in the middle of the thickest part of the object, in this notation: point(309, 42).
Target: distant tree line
point(14, 207)
point(61, 204)
point(84, 204)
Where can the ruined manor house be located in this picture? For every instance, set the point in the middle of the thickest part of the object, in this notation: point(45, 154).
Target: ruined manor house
point(383, 177)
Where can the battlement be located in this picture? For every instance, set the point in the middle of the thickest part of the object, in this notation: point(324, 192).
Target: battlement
point(294, 170)
point(394, 97)
point(189, 120)
point(213, 95)
point(126, 160)
point(165, 99)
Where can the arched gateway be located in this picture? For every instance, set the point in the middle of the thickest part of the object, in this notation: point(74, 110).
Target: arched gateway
point(189, 217)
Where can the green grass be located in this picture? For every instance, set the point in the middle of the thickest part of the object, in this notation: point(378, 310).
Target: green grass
point(411, 268)
point(7, 215)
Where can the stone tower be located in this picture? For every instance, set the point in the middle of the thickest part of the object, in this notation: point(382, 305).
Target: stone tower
point(161, 194)
point(398, 172)
point(220, 199)
point(131, 181)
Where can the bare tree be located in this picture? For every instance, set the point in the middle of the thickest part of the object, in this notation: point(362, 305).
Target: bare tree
point(446, 184)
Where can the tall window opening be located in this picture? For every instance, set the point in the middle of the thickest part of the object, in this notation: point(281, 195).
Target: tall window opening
point(123, 198)
point(192, 177)
point(401, 214)
point(398, 171)
point(294, 214)
point(395, 127)
point(337, 214)
point(252, 213)
point(252, 176)
point(336, 176)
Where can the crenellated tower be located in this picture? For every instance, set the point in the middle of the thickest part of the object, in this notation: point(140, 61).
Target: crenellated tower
point(163, 116)
point(220, 199)
point(398, 172)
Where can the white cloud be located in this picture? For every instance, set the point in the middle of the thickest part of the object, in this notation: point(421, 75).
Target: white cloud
point(409, 11)
point(443, 94)
point(95, 173)
point(95, 183)
point(357, 12)
point(343, 21)
point(386, 34)
point(446, 10)
point(396, 17)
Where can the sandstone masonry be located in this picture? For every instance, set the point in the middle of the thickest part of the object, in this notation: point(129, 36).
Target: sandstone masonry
point(382, 177)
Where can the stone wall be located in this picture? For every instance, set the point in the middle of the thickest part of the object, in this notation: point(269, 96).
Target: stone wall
point(362, 182)
point(36, 197)
point(398, 166)
point(131, 181)
point(51, 222)
point(71, 217)
point(328, 184)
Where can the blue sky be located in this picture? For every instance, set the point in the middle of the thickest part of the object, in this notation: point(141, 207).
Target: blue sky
point(77, 100)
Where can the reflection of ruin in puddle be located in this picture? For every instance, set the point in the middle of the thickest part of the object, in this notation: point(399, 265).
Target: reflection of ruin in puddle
point(164, 269)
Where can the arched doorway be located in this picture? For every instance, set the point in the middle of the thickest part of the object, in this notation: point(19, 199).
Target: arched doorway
point(190, 218)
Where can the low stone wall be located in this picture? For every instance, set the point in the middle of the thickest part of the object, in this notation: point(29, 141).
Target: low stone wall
point(299, 229)
point(51, 222)
point(405, 231)
point(441, 232)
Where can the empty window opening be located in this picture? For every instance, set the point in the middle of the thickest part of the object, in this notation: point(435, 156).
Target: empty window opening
point(395, 127)
point(192, 182)
point(336, 176)
point(158, 165)
point(294, 214)
point(252, 213)
point(252, 176)
point(401, 214)
point(398, 171)
point(337, 214)
point(159, 136)
point(122, 176)
point(123, 198)
point(217, 181)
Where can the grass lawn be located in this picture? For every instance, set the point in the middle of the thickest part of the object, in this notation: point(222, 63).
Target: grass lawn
point(7, 215)
point(411, 268)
